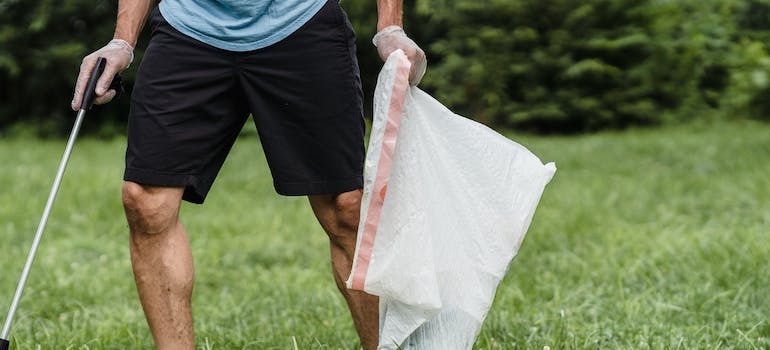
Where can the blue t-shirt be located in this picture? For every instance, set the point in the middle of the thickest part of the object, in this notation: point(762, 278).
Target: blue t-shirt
point(239, 25)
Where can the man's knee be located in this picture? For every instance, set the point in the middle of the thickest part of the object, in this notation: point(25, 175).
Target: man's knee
point(348, 207)
point(338, 214)
point(149, 209)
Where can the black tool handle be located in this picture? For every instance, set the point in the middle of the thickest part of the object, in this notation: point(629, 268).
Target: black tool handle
point(90, 93)
point(4, 344)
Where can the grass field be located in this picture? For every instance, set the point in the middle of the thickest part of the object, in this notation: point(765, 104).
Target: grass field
point(645, 239)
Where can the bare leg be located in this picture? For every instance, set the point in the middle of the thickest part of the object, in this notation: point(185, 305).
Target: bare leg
point(338, 215)
point(162, 263)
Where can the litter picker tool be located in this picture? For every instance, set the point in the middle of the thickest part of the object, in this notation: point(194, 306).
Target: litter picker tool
point(88, 99)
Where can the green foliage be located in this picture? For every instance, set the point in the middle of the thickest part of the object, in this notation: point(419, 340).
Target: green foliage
point(545, 66)
point(41, 46)
point(716, 53)
point(752, 81)
point(574, 66)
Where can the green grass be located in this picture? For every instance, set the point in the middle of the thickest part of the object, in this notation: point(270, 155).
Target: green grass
point(645, 239)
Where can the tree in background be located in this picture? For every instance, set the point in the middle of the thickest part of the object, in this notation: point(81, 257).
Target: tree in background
point(715, 53)
point(752, 77)
point(576, 66)
point(41, 45)
point(563, 65)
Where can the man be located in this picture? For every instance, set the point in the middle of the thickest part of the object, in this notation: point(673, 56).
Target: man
point(210, 63)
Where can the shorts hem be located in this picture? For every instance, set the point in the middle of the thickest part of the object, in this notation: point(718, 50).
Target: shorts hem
point(318, 187)
point(192, 192)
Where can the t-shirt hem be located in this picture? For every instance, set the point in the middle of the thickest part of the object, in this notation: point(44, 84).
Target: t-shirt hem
point(240, 47)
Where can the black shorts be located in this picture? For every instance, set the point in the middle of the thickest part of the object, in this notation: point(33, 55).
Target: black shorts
point(190, 101)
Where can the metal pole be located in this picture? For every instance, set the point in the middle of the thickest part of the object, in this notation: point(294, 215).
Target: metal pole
point(41, 225)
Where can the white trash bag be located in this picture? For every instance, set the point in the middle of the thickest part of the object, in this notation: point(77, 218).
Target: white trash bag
point(446, 204)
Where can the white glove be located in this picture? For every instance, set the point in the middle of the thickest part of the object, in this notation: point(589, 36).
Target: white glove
point(392, 38)
point(119, 55)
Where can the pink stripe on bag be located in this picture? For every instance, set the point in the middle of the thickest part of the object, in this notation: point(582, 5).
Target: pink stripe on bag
point(383, 173)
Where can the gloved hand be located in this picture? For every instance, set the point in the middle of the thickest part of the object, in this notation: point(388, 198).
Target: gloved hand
point(119, 55)
point(392, 38)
